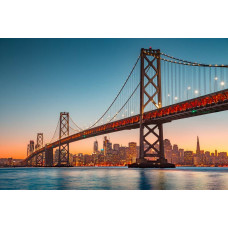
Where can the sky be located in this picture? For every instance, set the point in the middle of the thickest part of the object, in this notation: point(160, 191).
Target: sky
point(42, 77)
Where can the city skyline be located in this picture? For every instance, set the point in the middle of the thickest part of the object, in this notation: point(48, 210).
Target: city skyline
point(100, 146)
point(110, 153)
point(28, 110)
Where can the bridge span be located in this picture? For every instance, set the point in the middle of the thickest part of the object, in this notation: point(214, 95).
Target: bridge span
point(210, 103)
point(162, 89)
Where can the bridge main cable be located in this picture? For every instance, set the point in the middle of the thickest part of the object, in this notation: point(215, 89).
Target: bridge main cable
point(117, 94)
point(184, 62)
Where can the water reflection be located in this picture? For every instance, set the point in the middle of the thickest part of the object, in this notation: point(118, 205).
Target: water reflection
point(115, 178)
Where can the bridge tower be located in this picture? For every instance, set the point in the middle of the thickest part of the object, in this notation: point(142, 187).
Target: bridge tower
point(28, 150)
point(151, 137)
point(63, 156)
point(29, 163)
point(31, 149)
point(39, 144)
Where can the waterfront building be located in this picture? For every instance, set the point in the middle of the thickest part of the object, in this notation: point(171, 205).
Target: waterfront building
point(188, 158)
point(132, 152)
point(87, 161)
point(79, 159)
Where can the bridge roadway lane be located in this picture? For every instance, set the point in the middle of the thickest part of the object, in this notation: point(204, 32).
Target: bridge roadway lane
point(210, 103)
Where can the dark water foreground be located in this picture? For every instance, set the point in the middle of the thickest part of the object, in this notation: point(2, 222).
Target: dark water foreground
point(114, 178)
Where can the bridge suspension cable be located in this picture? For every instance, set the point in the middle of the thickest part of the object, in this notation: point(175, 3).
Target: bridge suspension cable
point(120, 98)
point(73, 128)
point(125, 103)
point(77, 127)
point(56, 133)
point(184, 62)
point(183, 80)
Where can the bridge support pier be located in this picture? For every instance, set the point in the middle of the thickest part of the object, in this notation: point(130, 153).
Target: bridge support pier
point(151, 155)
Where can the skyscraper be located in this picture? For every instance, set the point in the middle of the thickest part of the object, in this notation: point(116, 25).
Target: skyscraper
point(198, 146)
point(107, 146)
point(95, 147)
point(132, 152)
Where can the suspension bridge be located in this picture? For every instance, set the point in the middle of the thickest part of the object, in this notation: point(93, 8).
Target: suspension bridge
point(160, 88)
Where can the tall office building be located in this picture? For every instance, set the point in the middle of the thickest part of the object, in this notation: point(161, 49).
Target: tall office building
point(132, 152)
point(198, 147)
point(168, 150)
point(56, 156)
point(116, 147)
point(95, 147)
point(107, 146)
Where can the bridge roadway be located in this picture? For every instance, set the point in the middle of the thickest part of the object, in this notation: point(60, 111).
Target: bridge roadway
point(210, 103)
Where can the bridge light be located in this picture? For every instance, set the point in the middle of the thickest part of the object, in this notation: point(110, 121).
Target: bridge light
point(193, 111)
point(222, 83)
point(176, 98)
point(168, 95)
point(196, 91)
point(216, 78)
point(189, 88)
point(132, 112)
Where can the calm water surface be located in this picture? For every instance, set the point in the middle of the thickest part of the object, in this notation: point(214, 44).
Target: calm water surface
point(114, 178)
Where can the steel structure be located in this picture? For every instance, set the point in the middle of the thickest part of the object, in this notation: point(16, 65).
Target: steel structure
point(168, 88)
point(211, 103)
point(150, 59)
point(28, 150)
point(63, 156)
point(39, 144)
